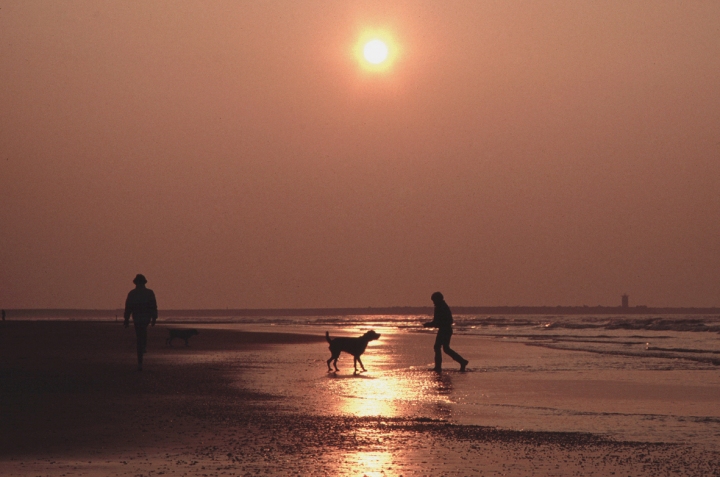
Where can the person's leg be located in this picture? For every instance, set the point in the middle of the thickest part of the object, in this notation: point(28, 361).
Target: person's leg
point(141, 335)
point(454, 355)
point(438, 351)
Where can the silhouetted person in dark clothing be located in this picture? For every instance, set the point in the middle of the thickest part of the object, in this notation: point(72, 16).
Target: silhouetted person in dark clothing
point(3, 315)
point(142, 306)
point(443, 321)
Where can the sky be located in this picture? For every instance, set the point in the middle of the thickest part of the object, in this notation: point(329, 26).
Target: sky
point(241, 154)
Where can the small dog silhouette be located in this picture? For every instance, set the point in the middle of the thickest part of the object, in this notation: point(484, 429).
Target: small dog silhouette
point(353, 346)
point(183, 334)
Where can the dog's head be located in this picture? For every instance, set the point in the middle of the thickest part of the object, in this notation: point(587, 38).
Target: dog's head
point(371, 336)
point(193, 332)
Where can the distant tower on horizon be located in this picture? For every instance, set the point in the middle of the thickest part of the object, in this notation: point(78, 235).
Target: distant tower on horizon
point(625, 301)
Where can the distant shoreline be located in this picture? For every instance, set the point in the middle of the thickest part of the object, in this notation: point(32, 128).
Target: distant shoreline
point(400, 310)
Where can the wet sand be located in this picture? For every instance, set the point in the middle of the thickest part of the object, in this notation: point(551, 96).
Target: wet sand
point(72, 403)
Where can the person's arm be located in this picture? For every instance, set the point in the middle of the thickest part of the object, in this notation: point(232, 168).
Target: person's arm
point(442, 318)
point(153, 307)
point(128, 311)
point(434, 322)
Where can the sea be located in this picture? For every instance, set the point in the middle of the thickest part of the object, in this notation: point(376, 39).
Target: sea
point(687, 339)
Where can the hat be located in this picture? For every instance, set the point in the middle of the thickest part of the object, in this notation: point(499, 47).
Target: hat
point(140, 279)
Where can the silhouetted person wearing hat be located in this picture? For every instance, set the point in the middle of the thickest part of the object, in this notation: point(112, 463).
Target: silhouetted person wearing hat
point(142, 306)
point(443, 321)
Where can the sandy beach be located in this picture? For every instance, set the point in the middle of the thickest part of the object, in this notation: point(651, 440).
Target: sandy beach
point(73, 403)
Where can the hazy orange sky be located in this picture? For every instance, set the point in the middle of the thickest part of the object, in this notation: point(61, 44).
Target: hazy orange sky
point(239, 155)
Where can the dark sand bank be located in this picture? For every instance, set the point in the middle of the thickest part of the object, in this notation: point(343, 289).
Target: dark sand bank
point(72, 403)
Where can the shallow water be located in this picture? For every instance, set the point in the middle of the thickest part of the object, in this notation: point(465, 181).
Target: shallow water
point(688, 337)
point(576, 382)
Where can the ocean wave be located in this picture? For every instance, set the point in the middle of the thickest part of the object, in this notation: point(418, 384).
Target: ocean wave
point(703, 324)
point(682, 350)
point(648, 353)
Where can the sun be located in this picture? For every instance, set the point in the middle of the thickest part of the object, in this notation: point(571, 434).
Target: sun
point(375, 51)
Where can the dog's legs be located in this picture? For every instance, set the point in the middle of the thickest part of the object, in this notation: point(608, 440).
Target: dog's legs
point(361, 365)
point(333, 358)
point(186, 342)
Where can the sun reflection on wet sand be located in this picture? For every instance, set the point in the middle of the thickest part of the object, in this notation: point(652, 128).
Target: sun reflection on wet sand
point(370, 464)
point(369, 397)
point(389, 393)
point(392, 386)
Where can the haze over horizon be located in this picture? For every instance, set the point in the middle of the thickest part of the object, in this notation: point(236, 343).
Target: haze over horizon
point(239, 155)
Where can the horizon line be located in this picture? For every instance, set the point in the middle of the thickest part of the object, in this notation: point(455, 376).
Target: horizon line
point(379, 310)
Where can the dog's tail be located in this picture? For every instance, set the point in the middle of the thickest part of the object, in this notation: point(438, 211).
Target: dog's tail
point(327, 336)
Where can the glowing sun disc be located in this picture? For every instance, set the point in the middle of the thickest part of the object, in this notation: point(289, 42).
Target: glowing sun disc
point(375, 52)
